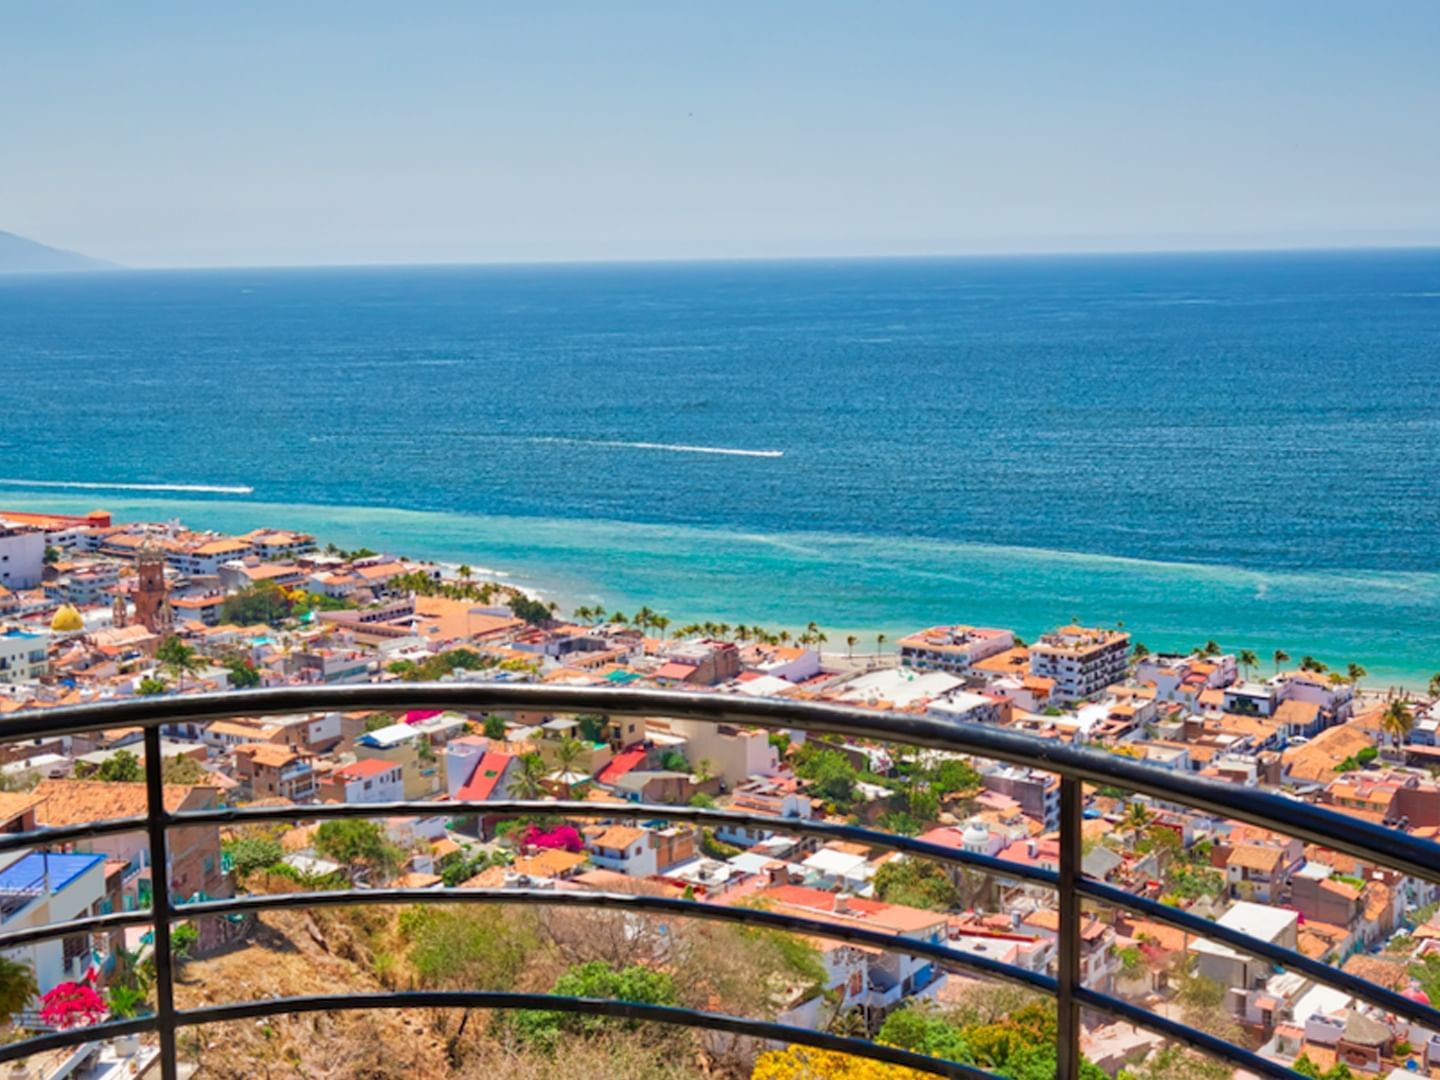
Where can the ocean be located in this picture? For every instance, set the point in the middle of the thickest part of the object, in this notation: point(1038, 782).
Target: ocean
point(1234, 446)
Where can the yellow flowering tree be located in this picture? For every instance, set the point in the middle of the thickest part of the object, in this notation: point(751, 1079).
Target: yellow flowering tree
point(808, 1063)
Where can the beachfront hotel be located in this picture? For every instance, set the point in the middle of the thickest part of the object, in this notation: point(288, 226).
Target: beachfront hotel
point(953, 648)
point(1081, 660)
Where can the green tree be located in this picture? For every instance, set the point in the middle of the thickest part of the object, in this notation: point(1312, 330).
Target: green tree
point(18, 987)
point(120, 767)
point(568, 754)
point(495, 728)
point(450, 948)
point(1397, 721)
point(264, 603)
point(831, 775)
point(150, 686)
point(915, 883)
point(532, 611)
point(353, 842)
point(529, 778)
point(636, 984)
point(1281, 657)
point(183, 769)
point(1354, 672)
point(51, 556)
point(178, 660)
point(251, 853)
point(924, 1029)
point(243, 675)
point(952, 776)
point(1248, 661)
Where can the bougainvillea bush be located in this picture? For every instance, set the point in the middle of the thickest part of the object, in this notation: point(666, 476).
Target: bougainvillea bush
point(71, 1005)
point(565, 837)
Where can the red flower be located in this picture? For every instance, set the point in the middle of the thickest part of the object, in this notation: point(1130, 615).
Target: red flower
point(72, 1004)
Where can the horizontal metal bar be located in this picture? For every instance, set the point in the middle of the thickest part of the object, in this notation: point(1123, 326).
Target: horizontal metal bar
point(55, 835)
point(1388, 847)
point(90, 924)
point(38, 1044)
point(657, 1014)
point(1183, 1033)
point(1332, 976)
point(660, 905)
point(629, 811)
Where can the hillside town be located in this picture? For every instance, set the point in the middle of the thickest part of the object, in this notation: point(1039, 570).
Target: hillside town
point(93, 611)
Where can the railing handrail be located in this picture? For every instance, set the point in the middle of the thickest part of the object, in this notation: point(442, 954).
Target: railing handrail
point(1074, 765)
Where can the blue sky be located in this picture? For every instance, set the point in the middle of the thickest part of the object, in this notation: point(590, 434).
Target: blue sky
point(269, 133)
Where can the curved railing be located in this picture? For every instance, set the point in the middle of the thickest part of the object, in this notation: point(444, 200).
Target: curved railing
point(1075, 767)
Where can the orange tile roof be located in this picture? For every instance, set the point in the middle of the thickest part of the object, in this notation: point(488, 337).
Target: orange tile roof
point(79, 802)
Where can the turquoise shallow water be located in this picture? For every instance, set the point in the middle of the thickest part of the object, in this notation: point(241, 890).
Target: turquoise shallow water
point(867, 585)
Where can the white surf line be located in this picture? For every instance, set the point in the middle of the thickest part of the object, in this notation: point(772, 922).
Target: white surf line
point(674, 448)
point(85, 485)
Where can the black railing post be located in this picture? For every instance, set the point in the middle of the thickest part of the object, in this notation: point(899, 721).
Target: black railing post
point(155, 817)
point(1068, 900)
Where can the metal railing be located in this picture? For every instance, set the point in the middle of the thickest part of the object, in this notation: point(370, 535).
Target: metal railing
point(1075, 767)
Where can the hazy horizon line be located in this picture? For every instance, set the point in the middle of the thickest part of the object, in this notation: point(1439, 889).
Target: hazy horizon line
point(640, 260)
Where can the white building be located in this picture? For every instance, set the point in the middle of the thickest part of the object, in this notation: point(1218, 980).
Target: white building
point(371, 780)
point(962, 707)
point(1081, 660)
point(22, 557)
point(40, 887)
point(22, 655)
point(953, 648)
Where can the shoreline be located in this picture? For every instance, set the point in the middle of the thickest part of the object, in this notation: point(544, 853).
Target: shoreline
point(866, 586)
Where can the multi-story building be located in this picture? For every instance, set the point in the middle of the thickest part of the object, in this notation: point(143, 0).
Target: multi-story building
point(22, 556)
point(1038, 793)
point(22, 656)
point(953, 648)
point(274, 770)
point(367, 781)
point(1081, 660)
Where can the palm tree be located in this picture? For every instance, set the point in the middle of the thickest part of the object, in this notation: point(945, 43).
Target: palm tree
point(783, 636)
point(1210, 648)
point(850, 640)
point(1355, 673)
point(178, 660)
point(1281, 656)
point(17, 987)
point(619, 618)
point(1139, 651)
point(581, 614)
point(722, 630)
point(1137, 817)
point(1435, 685)
point(1309, 663)
point(879, 643)
point(465, 570)
point(1396, 721)
point(568, 753)
point(529, 779)
point(1248, 661)
point(660, 623)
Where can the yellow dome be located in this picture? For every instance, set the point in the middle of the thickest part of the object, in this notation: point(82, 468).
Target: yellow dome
point(67, 620)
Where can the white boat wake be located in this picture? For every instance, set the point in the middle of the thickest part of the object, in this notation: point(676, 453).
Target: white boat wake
point(85, 485)
point(674, 448)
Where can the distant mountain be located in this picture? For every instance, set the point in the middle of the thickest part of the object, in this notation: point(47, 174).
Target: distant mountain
point(19, 255)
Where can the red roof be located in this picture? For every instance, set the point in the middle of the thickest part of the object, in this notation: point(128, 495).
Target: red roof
point(674, 670)
point(486, 776)
point(364, 768)
point(621, 764)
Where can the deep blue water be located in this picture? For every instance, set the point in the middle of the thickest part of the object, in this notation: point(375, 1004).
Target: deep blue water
point(1265, 414)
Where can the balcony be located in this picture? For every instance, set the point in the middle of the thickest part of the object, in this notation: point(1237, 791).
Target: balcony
point(1076, 768)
